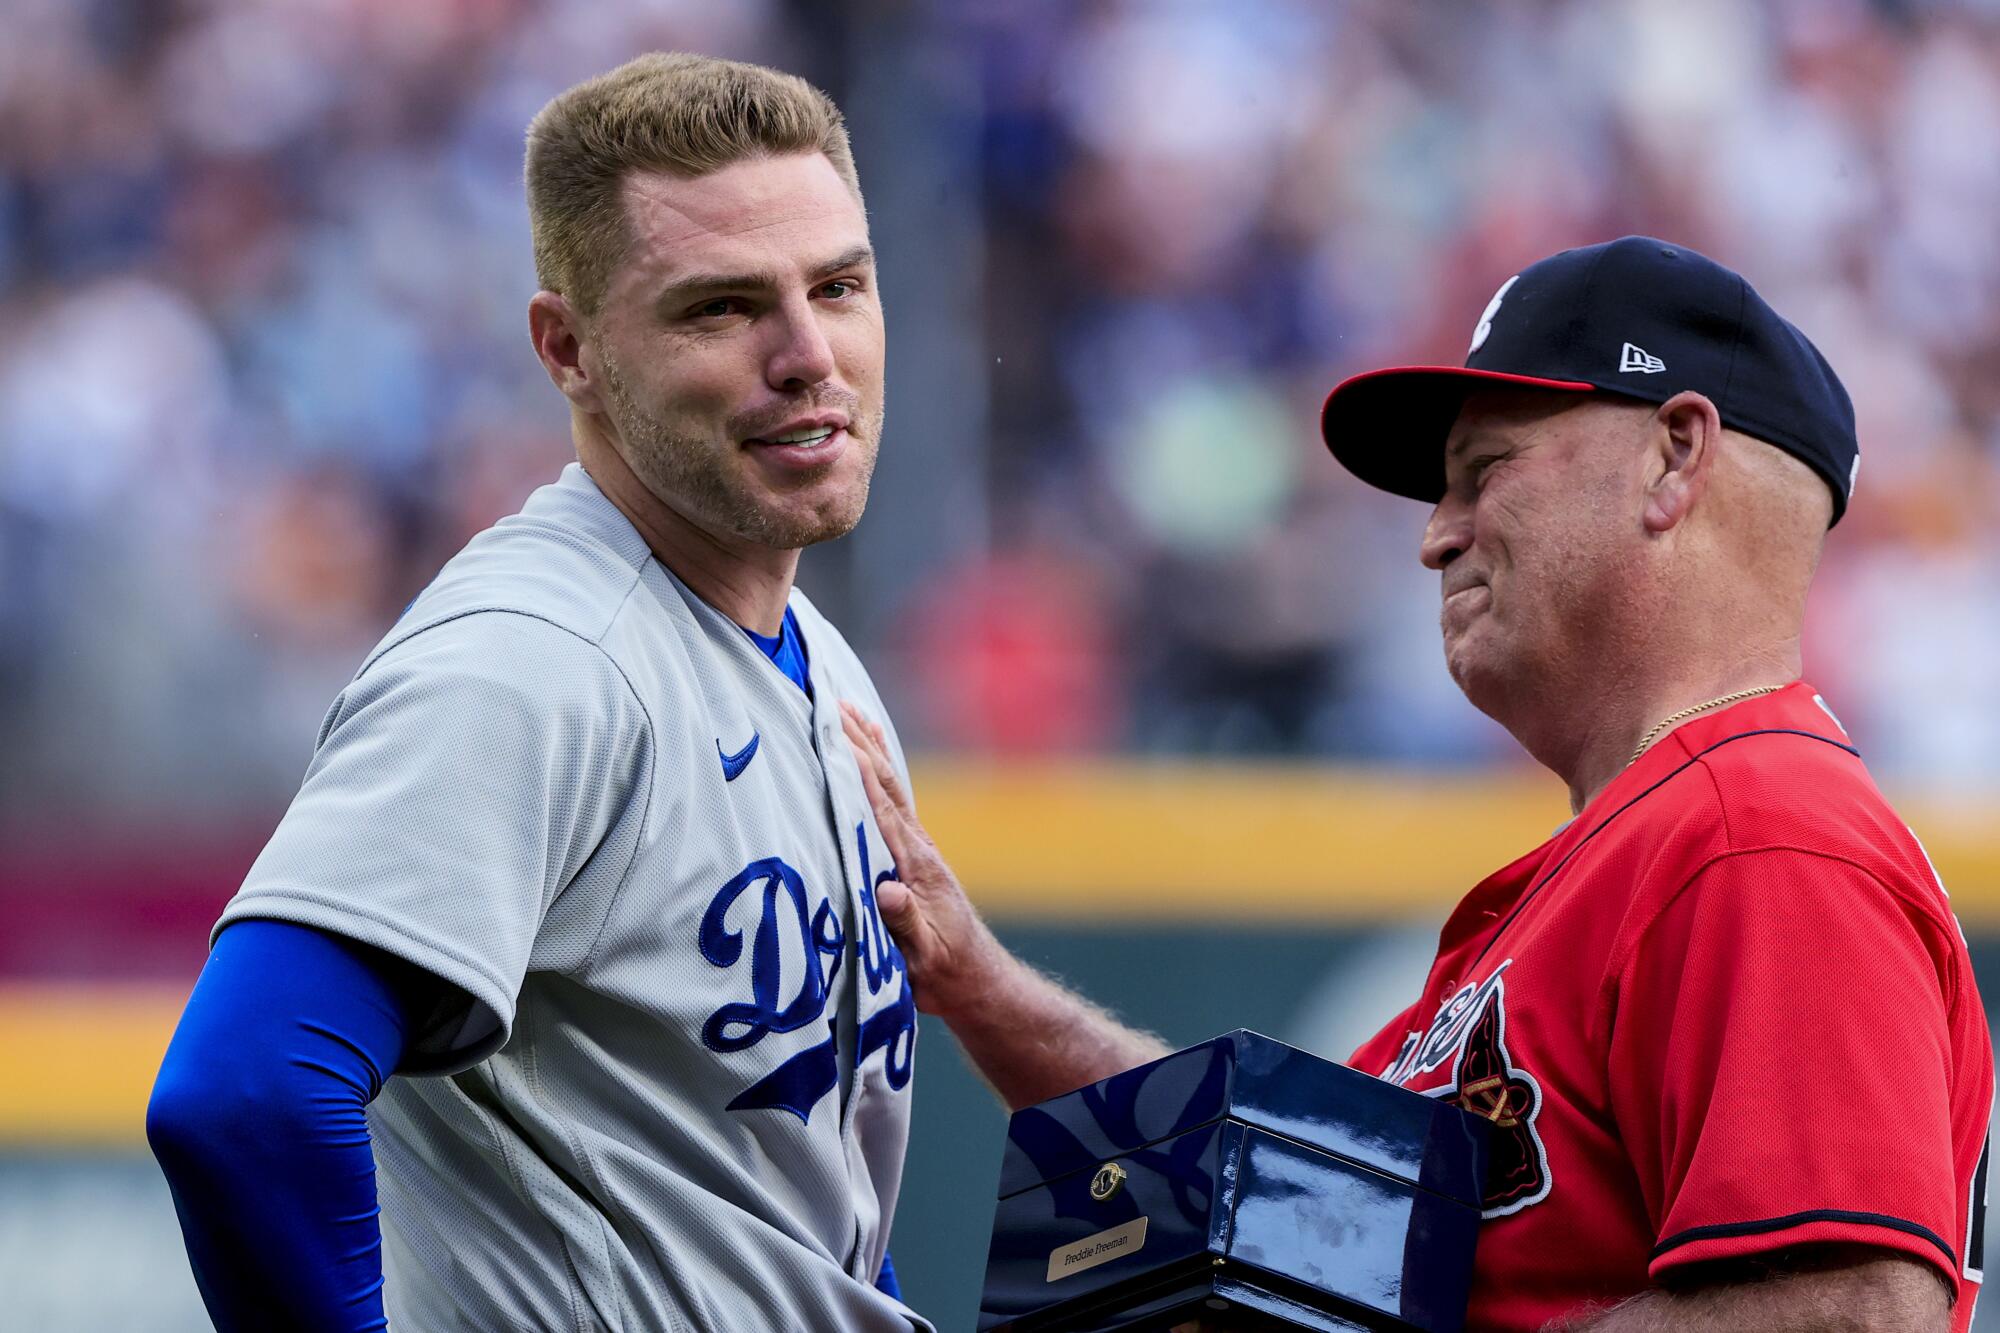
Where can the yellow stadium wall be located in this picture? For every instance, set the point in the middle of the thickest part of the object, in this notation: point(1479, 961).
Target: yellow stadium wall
point(1101, 844)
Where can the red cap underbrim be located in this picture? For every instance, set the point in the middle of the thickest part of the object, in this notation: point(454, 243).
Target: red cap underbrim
point(1388, 427)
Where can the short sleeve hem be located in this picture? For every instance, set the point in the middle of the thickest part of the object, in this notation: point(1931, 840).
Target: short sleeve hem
point(1747, 1239)
point(485, 1030)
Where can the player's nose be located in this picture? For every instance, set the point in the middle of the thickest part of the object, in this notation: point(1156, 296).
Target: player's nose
point(803, 355)
point(1447, 535)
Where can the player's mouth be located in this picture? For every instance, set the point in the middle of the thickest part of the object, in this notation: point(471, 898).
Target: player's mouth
point(805, 445)
point(1462, 604)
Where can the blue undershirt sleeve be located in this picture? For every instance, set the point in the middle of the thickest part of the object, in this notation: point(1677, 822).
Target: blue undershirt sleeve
point(885, 1281)
point(258, 1121)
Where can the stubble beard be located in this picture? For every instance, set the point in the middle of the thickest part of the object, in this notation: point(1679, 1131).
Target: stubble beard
point(1529, 672)
point(1476, 679)
point(692, 477)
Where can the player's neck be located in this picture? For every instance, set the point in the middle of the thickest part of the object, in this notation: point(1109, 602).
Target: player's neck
point(749, 584)
point(1633, 709)
point(750, 588)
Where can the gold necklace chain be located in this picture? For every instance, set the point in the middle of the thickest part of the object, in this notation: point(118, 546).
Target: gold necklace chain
point(1685, 713)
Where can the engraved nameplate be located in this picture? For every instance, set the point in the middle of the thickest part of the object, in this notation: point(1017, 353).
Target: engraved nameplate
point(1101, 1248)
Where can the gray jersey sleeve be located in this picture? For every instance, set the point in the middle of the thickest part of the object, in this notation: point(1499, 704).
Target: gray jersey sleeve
point(476, 785)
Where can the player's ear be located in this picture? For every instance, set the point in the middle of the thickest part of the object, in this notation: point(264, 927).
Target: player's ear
point(557, 331)
point(1683, 439)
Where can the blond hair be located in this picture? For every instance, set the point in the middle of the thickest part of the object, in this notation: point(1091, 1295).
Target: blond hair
point(686, 115)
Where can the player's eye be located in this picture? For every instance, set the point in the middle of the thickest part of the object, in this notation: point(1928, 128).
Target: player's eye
point(838, 289)
point(720, 307)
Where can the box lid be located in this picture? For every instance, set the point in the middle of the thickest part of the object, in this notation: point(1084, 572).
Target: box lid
point(1246, 1076)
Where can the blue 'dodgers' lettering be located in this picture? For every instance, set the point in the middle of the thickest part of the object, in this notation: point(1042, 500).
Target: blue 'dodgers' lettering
point(786, 927)
point(893, 1029)
point(722, 946)
point(799, 1083)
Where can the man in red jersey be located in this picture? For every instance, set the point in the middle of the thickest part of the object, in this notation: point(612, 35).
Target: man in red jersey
point(1723, 1023)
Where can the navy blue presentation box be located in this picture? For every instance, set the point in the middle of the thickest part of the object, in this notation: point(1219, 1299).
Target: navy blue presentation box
point(1241, 1184)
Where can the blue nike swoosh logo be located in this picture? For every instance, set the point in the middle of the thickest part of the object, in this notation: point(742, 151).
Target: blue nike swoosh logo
point(734, 764)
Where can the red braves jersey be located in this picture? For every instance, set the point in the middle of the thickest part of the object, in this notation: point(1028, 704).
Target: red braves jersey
point(1723, 1012)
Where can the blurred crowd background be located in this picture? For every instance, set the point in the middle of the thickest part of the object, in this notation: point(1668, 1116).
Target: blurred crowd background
point(263, 365)
point(263, 362)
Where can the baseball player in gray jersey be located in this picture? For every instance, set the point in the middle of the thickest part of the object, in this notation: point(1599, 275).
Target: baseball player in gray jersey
point(574, 913)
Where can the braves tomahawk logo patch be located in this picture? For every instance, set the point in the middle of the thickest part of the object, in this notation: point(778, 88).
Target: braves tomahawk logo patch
point(1470, 1034)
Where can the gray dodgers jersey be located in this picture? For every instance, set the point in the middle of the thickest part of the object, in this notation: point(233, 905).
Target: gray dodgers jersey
point(679, 1097)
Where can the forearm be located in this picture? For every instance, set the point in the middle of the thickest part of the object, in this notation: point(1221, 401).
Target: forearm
point(259, 1124)
point(1886, 1295)
point(275, 1238)
point(1032, 1038)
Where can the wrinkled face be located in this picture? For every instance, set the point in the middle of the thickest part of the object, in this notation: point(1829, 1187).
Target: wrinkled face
point(740, 348)
point(1534, 538)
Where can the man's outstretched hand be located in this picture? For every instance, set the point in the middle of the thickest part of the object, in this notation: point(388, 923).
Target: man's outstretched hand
point(945, 944)
point(1030, 1037)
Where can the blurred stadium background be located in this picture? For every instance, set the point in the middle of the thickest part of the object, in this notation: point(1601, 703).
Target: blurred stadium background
point(1174, 677)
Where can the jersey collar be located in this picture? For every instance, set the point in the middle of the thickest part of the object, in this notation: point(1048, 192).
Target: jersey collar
point(1797, 708)
point(575, 501)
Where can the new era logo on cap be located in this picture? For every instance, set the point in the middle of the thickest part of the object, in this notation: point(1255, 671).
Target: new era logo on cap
point(1632, 358)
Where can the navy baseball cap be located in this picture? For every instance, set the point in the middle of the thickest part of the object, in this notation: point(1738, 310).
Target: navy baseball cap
point(1638, 317)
